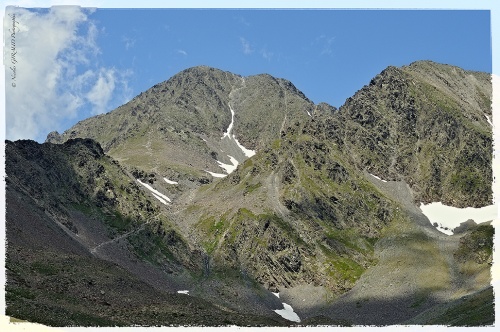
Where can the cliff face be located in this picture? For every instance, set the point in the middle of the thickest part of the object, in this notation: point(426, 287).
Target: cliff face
point(233, 186)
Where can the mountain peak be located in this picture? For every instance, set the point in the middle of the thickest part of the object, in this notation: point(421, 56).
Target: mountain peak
point(204, 71)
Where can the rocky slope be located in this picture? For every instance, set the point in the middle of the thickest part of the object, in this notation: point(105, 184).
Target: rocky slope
point(298, 209)
point(86, 246)
point(427, 124)
point(285, 206)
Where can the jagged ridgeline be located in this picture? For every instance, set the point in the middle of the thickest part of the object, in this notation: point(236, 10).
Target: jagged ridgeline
point(230, 188)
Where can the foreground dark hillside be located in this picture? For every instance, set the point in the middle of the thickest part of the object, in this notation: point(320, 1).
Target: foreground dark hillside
point(85, 246)
point(234, 187)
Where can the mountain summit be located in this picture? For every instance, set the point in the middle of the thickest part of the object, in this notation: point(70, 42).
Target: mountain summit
point(198, 125)
point(231, 188)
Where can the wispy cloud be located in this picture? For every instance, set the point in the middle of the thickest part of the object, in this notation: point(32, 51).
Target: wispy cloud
point(245, 44)
point(325, 44)
point(101, 92)
point(51, 49)
point(129, 42)
point(266, 54)
point(182, 52)
point(248, 49)
point(241, 20)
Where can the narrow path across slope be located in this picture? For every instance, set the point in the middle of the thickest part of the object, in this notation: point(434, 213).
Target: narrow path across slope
point(118, 238)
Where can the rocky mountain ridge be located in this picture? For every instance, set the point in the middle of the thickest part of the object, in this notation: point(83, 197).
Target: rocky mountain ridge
point(435, 133)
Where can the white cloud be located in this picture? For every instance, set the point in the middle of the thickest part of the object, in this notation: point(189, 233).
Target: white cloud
point(104, 90)
point(52, 46)
point(101, 92)
point(247, 49)
point(182, 52)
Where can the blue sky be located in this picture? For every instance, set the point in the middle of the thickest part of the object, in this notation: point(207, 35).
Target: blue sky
point(328, 54)
point(102, 58)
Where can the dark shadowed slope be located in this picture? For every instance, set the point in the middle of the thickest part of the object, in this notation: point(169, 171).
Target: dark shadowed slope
point(87, 247)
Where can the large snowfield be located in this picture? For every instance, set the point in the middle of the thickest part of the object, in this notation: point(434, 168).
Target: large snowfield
point(449, 217)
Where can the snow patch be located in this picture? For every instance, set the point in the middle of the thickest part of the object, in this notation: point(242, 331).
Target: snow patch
point(230, 128)
point(216, 175)
point(160, 199)
point(489, 120)
point(376, 177)
point(308, 113)
point(170, 181)
point(158, 195)
point(449, 217)
point(183, 292)
point(229, 168)
point(249, 153)
point(288, 313)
